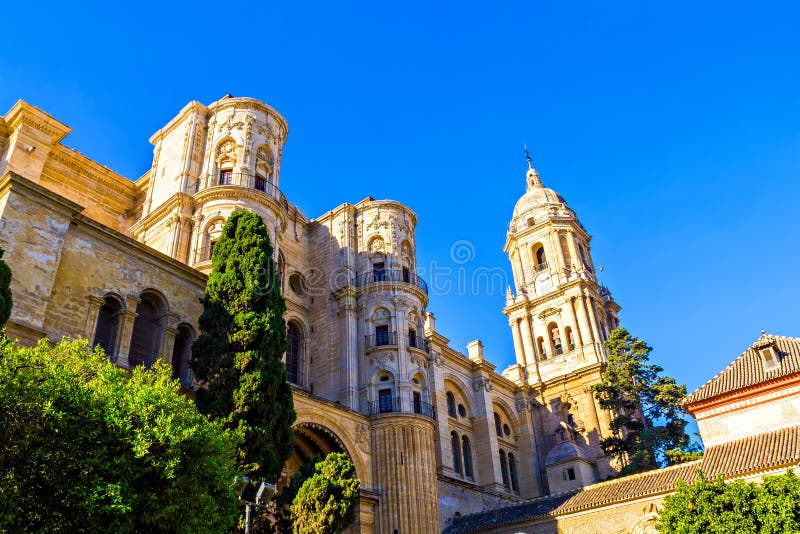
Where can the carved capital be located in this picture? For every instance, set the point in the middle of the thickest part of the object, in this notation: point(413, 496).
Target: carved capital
point(482, 382)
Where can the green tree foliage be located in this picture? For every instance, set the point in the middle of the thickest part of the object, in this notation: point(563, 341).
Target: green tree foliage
point(5, 291)
point(326, 502)
point(648, 420)
point(743, 507)
point(238, 356)
point(84, 447)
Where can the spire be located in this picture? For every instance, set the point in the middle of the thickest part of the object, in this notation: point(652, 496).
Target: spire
point(532, 177)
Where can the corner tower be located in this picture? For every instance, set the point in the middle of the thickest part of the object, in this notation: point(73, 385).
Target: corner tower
point(208, 162)
point(559, 317)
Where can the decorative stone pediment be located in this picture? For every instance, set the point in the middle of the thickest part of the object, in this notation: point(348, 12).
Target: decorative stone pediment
point(548, 312)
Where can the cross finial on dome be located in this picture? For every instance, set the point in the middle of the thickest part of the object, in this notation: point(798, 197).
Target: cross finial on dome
point(532, 176)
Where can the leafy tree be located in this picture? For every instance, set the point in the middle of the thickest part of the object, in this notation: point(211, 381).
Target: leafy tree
point(84, 447)
point(648, 420)
point(239, 352)
point(5, 291)
point(743, 507)
point(325, 503)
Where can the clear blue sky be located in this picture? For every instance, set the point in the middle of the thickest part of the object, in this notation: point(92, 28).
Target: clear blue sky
point(673, 129)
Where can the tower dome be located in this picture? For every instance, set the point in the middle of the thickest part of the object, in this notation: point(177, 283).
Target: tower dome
point(537, 204)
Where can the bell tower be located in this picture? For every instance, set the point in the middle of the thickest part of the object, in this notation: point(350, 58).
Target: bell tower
point(559, 315)
point(558, 312)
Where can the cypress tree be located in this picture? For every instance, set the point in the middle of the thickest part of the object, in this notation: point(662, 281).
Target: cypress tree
point(5, 291)
point(238, 356)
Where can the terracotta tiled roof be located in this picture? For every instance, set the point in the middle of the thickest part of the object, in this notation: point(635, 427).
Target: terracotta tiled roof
point(748, 369)
point(749, 455)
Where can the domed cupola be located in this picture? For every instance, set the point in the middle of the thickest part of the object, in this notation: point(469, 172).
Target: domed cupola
point(537, 204)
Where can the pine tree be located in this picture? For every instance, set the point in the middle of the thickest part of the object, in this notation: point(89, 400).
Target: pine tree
point(5, 291)
point(238, 356)
point(649, 423)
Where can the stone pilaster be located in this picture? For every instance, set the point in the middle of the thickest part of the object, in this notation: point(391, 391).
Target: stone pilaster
point(92, 313)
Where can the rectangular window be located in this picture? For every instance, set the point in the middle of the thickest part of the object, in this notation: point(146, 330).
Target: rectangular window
point(379, 271)
point(412, 338)
point(417, 402)
point(382, 335)
point(225, 177)
point(406, 275)
point(385, 400)
point(261, 183)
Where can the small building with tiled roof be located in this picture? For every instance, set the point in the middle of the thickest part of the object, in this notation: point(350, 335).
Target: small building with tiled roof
point(749, 419)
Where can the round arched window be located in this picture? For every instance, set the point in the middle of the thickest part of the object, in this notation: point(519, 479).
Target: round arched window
point(462, 411)
point(506, 430)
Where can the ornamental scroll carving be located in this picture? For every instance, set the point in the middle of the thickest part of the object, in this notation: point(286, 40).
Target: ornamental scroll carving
point(482, 382)
point(362, 437)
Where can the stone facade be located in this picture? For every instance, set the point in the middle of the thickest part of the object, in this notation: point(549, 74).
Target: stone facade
point(434, 433)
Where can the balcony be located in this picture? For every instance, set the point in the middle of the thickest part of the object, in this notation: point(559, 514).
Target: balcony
point(541, 267)
point(381, 339)
point(391, 275)
point(241, 179)
point(395, 405)
point(418, 342)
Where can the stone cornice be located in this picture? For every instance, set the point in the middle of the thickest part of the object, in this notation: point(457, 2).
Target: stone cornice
point(130, 246)
point(23, 113)
point(39, 194)
point(233, 193)
point(192, 107)
point(250, 103)
point(100, 174)
point(163, 210)
point(560, 292)
point(557, 223)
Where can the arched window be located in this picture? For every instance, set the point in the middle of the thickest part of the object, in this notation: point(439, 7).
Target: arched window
point(504, 467)
point(512, 471)
point(498, 425)
point(147, 330)
point(281, 269)
point(181, 354)
point(105, 334)
point(467, 450)
point(540, 346)
point(555, 338)
point(539, 257)
point(456, 449)
point(570, 338)
point(451, 404)
point(295, 353)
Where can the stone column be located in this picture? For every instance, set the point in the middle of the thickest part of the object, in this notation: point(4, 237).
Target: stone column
point(576, 260)
point(560, 256)
point(518, 348)
point(595, 329)
point(196, 239)
point(348, 394)
point(126, 317)
point(402, 307)
point(572, 322)
point(583, 320)
point(168, 339)
point(405, 474)
point(92, 314)
point(527, 342)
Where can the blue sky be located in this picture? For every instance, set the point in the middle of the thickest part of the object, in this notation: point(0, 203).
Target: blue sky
point(672, 129)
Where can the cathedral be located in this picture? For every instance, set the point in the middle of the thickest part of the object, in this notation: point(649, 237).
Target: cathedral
point(435, 434)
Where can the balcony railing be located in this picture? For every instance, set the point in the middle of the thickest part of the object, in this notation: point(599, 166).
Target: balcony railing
point(391, 275)
point(243, 179)
point(385, 339)
point(395, 405)
point(541, 267)
point(418, 342)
